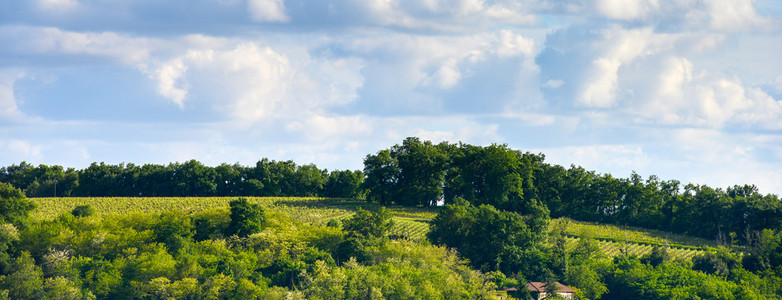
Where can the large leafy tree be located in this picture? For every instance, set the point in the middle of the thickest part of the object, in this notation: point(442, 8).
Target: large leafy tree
point(382, 174)
point(491, 239)
point(344, 184)
point(485, 175)
point(421, 172)
point(246, 218)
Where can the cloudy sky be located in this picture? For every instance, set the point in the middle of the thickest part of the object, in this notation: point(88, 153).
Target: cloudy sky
point(683, 89)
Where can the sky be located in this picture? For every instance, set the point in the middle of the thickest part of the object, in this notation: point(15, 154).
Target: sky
point(682, 89)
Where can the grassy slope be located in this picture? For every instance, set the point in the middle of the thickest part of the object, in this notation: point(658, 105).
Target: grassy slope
point(410, 222)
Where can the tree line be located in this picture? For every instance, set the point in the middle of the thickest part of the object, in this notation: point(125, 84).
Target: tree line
point(191, 178)
point(421, 173)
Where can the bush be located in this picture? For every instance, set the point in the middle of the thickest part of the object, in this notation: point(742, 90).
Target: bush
point(83, 211)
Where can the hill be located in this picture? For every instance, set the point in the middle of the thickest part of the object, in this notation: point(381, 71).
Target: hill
point(411, 222)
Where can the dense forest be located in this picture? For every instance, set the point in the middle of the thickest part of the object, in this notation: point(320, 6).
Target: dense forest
point(492, 232)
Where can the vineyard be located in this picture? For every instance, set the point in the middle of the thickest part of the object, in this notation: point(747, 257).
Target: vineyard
point(410, 222)
point(612, 248)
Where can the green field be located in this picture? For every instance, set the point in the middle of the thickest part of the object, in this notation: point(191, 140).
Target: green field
point(410, 222)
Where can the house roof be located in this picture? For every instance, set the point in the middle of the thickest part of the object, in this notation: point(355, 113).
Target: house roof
point(541, 287)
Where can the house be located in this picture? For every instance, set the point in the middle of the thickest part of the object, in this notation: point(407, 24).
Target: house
point(538, 290)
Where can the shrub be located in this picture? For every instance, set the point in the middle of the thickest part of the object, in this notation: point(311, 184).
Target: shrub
point(83, 211)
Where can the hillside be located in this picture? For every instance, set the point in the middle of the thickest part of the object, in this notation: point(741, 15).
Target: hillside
point(411, 222)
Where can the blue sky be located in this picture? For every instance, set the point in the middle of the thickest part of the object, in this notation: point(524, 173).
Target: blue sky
point(688, 90)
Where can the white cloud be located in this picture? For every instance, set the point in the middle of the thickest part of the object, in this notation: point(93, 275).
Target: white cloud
point(49, 40)
point(251, 83)
point(168, 85)
point(735, 15)
point(618, 47)
point(411, 71)
point(451, 16)
point(448, 74)
point(9, 108)
point(16, 151)
point(627, 10)
point(512, 44)
point(680, 97)
point(600, 157)
point(601, 90)
point(267, 10)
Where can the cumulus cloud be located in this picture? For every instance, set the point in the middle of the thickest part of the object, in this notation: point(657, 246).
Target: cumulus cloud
point(679, 95)
point(627, 10)
point(249, 82)
point(430, 73)
point(329, 81)
point(735, 15)
point(268, 10)
point(168, 76)
point(618, 46)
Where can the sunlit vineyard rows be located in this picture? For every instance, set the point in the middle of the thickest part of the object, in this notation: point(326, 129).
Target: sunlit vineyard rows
point(410, 223)
point(625, 233)
point(613, 248)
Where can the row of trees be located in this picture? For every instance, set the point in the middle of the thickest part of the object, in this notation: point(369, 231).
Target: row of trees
point(422, 173)
point(191, 178)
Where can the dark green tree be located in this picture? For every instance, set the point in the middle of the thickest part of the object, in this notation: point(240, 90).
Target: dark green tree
point(491, 239)
point(382, 175)
point(421, 172)
point(246, 218)
point(344, 184)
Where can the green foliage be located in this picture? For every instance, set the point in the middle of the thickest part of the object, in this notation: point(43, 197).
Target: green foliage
point(369, 224)
point(587, 278)
point(83, 211)
point(210, 224)
point(128, 256)
point(60, 288)
point(720, 262)
point(344, 184)
point(489, 238)
point(630, 279)
point(486, 175)
point(657, 256)
point(24, 279)
point(246, 218)
point(14, 207)
point(173, 229)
